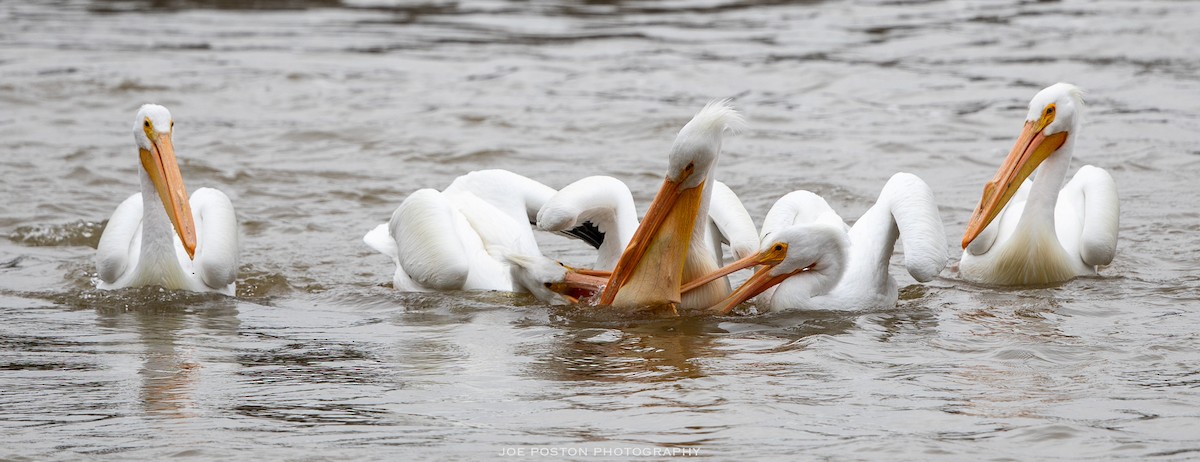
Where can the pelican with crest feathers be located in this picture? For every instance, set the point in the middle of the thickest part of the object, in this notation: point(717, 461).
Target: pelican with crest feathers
point(811, 260)
point(1040, 231)
point(670, 245)
point(160, 236)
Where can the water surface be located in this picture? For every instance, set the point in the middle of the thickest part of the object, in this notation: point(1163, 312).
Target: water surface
point(317, 117)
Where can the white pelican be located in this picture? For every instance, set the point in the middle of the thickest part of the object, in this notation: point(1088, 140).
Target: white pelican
point(161, 237)
point(669, 246)
point(458, 239)
point(813, 261)
point(607, 204)
point(1030, 232)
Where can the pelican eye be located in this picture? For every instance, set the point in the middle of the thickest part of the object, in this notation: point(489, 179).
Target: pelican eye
point(1048, 113)
point(146, 123)
point(778, 247)
point(547, 284)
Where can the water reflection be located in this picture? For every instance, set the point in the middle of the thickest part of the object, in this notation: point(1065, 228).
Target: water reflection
point(170, 370)
point(1021, 359)
point(649, 351)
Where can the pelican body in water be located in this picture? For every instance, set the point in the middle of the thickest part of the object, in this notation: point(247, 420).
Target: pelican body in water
point(1040, 231)
point(670, 245)
point(461, 238)
point(811, 260)
point(160, 236)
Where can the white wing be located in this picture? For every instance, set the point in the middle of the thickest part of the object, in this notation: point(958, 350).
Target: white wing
point(381, 240)
point(216, 258)
point(1087, 215)
point(919, 223)
point(495, 228)
point(516, 195)
point(424, 228)
point(116, 252)
point(906, 211)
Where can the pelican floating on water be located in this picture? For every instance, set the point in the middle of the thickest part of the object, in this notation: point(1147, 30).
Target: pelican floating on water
point(161, 237)
point(1039, 231)
point(669, 246)
point(460, 238)
point(813, 261)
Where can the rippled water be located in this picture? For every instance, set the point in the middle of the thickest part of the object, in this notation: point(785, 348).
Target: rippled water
point(318, 117)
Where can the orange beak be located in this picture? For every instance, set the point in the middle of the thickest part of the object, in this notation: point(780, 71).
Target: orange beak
point(650, 271)
point(771, 257)
point(577, 284)
point(591, 272)
point(760, 281)
point(160, 163)
point(1031, 149)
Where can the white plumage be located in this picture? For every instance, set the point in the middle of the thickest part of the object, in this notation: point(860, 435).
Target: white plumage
point(142, 243)
point(1043, 232)
point(457, 239)
point(607, 203)
point(604, 201)
point(671, 245)
point(826, 265)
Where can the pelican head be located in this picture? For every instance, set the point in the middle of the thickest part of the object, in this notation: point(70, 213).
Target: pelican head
point(1054, 113)
point(152, 132)
point(550, 281)
point(650, 270)
point(783, 254)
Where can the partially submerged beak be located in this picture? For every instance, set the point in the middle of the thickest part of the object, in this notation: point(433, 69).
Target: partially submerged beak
point(771, 257)
point(1031, 149)
point(760, 281)
point(160, 163)
point(650, 271)
point(577, 285)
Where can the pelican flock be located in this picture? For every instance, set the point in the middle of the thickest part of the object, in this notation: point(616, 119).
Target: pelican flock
point(808, 257)
point(162, 237)
point(671, 261)
point(1040, 231)
point(478, 233)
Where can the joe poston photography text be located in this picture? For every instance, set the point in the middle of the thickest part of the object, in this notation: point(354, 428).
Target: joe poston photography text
point(578, 451)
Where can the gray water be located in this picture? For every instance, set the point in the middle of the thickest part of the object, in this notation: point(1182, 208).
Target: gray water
point(318, 117)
